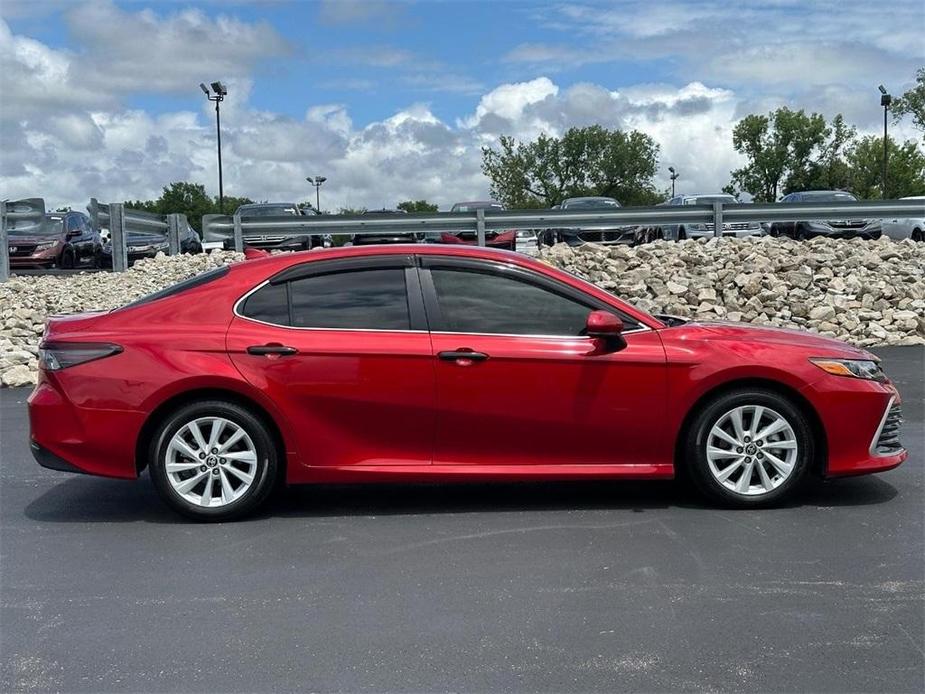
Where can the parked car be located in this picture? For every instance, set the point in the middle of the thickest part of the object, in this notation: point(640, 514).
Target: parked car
point(140, 245)
point(385, 236)
point(528, 241)
point(607, 235)
point(308, 367)
point(64, 239)
point(493, 239)
point(833, 228)
point(679, 232)
point(275, 240)
point(907, 228)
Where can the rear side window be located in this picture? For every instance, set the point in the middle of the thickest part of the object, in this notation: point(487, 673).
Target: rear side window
point(374, 299)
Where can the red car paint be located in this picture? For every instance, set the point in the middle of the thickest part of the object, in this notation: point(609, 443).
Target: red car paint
point(378, 405)
point(503, 239)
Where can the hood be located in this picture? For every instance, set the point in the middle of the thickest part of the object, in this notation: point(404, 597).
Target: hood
point(744, 332)
point(17, 240)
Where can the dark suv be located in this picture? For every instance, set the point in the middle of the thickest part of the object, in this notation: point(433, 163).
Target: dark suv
point(64, 239)
point(576, 236)
point(140, 245)
point(833, 228)
point(275, 240)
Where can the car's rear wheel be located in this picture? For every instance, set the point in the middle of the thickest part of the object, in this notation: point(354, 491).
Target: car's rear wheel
point(213, 461)
point(917, 235)
point(67, 259)
point(749, 448)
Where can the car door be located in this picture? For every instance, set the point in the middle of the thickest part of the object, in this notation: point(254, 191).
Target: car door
point(518, 384)
point(342, 348)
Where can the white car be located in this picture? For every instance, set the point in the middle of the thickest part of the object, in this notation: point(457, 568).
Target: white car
point(910, 227)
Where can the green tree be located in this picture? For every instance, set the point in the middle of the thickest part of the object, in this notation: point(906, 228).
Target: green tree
point(412, 206)
point(912, 103)
point(187, 198)
point(584, 161)
point(782, 148)
point(905, 169)
point(351, 210)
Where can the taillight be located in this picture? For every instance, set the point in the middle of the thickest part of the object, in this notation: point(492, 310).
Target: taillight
point(54, 356)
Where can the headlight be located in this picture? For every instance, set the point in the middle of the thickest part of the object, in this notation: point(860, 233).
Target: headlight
point(45, 246)
point(853, 368)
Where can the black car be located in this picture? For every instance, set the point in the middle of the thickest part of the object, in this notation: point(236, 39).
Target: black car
point(274, 240)
point(147, 245)
point(833, 228)
point(607, 235)
point(384, 236)
point(64, 239)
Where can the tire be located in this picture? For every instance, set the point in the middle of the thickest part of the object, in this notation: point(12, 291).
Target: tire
point(682, 235)
point(67, 259)
point(793, 446)
point(798, 233)
point(917, 235)
point(254, 452)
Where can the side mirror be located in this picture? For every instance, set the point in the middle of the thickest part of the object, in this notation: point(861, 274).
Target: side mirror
point(605, 326)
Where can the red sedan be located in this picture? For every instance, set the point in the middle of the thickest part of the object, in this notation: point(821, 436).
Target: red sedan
point(430, 363)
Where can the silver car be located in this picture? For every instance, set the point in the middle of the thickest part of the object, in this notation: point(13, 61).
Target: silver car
point(679, 232)
point(908, 227)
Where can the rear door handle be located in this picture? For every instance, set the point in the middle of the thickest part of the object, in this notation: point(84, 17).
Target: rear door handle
point(462, 355)
point(265, 350)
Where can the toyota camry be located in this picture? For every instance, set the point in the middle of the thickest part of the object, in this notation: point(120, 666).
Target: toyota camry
point(446, 364)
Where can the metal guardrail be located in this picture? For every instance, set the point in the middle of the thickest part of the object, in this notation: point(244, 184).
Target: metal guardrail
point(222, 228)
point(122, 221)
point(21, 216)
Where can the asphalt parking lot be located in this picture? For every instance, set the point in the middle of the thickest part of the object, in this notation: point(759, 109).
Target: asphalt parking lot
point(552, 587)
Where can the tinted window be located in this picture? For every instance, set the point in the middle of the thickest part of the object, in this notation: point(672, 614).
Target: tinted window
point(367, 299)
point(590, 204)
point(476, 302)
point(269, 304)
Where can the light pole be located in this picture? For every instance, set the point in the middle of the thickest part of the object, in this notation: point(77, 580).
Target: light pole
point(220, 91)
point(674, 177)
point(317, 181)
point(885, 101)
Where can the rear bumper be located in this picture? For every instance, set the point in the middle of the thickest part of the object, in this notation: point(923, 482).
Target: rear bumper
point(70, 438)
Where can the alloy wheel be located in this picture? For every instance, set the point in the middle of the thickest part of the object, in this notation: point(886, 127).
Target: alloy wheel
point(211, 462)
point(752, 450)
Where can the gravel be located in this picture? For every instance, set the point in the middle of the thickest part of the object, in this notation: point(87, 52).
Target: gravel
point(866, 293)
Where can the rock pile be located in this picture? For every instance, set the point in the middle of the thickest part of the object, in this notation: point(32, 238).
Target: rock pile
point(27, 301)
point(866, 293)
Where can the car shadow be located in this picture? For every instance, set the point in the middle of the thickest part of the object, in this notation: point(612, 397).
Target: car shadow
point(89, 500)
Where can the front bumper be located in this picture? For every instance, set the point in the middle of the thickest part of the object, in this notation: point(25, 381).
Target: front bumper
point(854, 413)
point(625, 236)
point(867, 233)
point(727, 233)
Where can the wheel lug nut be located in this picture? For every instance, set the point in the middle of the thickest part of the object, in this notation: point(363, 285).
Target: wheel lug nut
point(760, 443)
point(215, 471)
point(222, 461)
point(202, 456)
point(748, 439)
point(202, 468)
point(214, 451)
point(748, 460)
point(739, 449)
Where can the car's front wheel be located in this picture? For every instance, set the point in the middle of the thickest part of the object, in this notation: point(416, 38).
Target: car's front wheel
point(749, 448)
point(213, 461)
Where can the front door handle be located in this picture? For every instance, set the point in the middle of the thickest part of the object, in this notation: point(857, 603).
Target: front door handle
point(272, 349)
point(462, 357)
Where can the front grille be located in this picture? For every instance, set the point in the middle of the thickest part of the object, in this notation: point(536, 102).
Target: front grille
point(21, 250)
point(888, 441)
point(847, 224)
point(593, 236)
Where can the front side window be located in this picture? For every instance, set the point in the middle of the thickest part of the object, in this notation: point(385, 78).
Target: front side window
point(478, 302)
point(374, 299)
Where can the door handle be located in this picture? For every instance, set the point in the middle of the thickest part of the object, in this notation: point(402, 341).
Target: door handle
point(462, 356)
point(272, 349)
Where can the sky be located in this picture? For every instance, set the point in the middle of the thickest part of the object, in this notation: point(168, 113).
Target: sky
point(392, 100)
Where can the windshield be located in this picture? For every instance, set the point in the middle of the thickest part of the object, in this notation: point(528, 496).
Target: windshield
point(710, 199)
point(828, 196)
point(473, 206)
point(50, 226)
point(268, 211)
point(590, 204)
